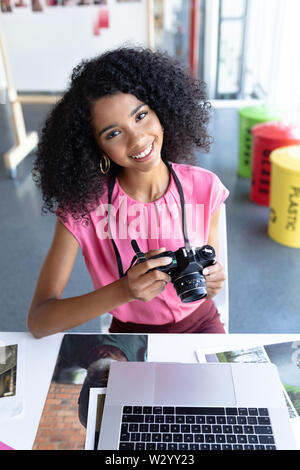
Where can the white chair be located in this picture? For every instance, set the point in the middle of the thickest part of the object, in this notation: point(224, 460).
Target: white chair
point(221, 299)
point(105, 321)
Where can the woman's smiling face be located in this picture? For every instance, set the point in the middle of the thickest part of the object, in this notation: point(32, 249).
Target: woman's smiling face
point(127, 131)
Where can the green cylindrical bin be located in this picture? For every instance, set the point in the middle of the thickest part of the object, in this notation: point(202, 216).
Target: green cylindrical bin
point(249, 117)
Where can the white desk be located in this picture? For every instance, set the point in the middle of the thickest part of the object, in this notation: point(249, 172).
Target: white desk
point(40, 358)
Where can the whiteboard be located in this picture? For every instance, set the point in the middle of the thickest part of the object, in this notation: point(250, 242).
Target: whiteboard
point(44, 47)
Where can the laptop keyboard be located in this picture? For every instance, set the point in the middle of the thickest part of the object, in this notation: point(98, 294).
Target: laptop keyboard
point(193, 428)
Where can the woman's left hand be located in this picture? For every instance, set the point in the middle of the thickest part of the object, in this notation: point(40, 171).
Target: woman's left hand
point(215, 277)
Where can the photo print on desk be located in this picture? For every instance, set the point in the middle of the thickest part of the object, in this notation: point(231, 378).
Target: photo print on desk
point(12, 370)
point(82, 363)
point(286, 357)
point(8, 370)
point(94, 419)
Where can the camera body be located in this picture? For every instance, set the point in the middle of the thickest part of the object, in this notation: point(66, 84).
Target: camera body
point(186, 271)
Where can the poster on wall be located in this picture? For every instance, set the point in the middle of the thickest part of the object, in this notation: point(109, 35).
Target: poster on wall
point(36, 5)
point(94, 28)
point(68, 3)
point(8, 6)
point(21, 3)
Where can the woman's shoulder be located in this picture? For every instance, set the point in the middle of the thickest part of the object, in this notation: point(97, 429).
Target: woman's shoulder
point(191, 171)
point(199, 182)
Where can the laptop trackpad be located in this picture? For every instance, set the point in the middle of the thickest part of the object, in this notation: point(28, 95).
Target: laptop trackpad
point(194, 385)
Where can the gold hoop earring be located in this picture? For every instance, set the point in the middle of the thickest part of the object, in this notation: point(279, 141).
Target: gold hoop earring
point(104, 165)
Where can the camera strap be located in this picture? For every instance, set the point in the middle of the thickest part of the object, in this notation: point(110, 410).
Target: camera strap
point(110, 192)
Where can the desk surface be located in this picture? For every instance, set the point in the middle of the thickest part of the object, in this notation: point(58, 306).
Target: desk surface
point(41, 354)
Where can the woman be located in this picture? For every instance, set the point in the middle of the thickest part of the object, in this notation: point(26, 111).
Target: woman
point(122, 137)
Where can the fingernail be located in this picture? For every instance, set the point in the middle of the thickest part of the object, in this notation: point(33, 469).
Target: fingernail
point(205, 272)
point(167, 260)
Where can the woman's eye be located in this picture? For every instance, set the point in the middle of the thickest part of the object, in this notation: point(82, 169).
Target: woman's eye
point(112, 134)
point(142, 115)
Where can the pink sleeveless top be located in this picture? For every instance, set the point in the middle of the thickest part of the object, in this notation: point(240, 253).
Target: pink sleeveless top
point(153, 225)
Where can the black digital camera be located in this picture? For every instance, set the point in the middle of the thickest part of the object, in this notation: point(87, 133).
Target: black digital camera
point(185, 269)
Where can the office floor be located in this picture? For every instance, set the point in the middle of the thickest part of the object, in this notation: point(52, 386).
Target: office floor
point(264, 294)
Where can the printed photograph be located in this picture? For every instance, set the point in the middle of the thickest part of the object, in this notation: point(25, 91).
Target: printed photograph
point(83, 363)
point(240, 355)
point(286, 356)
point(21, 3)
point(68, 3)
point(279, 354)
point(8, 370)
point(95, 412)
point(36, 5)
point(6, 6)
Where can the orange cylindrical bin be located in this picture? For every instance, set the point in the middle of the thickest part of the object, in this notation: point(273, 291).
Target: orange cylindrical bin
point(267, 137)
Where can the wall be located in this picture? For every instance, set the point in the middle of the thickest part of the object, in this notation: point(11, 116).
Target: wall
point(43, 47)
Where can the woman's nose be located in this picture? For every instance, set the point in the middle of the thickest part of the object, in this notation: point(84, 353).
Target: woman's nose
point(136, 137)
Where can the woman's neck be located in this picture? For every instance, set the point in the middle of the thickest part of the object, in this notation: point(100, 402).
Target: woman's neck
point(145, 186)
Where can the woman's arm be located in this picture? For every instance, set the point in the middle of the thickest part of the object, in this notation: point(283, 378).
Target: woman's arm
point(213, 234)
point(49, 313)
point(214, 274)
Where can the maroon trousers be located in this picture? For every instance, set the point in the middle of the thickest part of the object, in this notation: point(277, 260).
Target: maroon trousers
point(205, 319)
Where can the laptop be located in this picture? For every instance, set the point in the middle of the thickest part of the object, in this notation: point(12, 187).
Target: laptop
point(176, 406)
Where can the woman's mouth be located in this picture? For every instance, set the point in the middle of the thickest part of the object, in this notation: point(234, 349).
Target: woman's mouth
point(145, 155)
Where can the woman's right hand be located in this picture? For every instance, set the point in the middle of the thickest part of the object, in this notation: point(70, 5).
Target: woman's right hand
point(144, 285)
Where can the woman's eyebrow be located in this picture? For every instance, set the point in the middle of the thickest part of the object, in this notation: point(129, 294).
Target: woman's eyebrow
point(136, 109)
point(111, 126)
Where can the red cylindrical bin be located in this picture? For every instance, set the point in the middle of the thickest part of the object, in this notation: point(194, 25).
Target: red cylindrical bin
point(267, 137)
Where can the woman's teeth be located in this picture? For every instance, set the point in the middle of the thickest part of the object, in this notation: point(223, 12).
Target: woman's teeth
point(143, 154)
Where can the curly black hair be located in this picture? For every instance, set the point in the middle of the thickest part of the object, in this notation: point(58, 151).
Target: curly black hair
point(67, 161)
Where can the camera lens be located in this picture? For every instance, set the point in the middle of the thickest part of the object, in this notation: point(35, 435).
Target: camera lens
point(190, 287)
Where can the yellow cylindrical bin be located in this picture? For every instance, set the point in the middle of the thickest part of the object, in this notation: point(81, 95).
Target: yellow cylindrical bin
point(284, 221)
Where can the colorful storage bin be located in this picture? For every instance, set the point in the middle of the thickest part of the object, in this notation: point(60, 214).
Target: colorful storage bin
point(267, 137)
point(284, 220)
point(249, 117)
